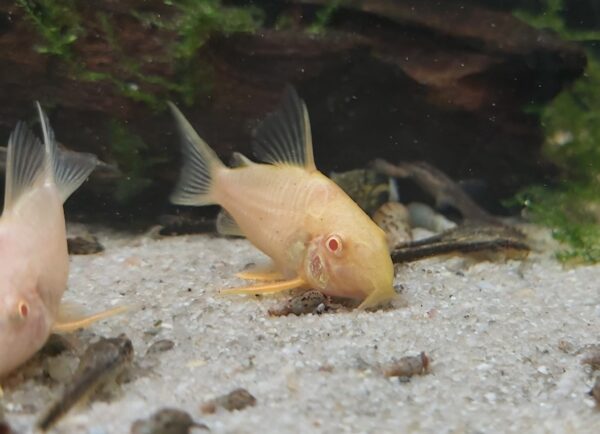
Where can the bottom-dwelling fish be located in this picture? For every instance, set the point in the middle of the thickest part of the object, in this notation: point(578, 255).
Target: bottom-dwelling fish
point(34, 263)
point(315, 234)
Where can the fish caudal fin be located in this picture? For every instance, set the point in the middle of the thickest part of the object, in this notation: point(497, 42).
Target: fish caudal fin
point(284, 137)
point(199, 165)
point(68, 169)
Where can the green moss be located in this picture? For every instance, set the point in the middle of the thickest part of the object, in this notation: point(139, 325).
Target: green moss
point(131, 154)
point(551, 18)
point(323, 16)
point(571, 124)
point(194, 22)
point(57, 23)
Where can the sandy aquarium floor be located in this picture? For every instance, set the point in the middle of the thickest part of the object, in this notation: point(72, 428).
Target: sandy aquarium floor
point(506, 342)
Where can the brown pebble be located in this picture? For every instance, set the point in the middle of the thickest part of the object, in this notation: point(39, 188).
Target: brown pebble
point(595, 392)
point(55, 345)
point(394, 219)
point(565, 346)
point(5, 428)
point(408, 366)
point(160, 346)
point(87, 245)
point(166, 421)
point(592, 359)
point(237, 399)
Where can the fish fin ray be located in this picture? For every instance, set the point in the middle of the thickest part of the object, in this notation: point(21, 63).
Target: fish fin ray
point(265, 272)
point(71, 317)
point(199, 163)
point(284, 137)
point(25, 164)
point(267, 288)
point(226, 225)
point(69, 169)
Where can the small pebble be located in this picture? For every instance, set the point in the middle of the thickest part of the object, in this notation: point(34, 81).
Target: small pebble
point(87, 245)
point(592, 359)
point(160, 346)
point(4, 426)
point(55, 345)
point(409, 366)
point(61, 368)
point(166, 421)
point(393, 218)
point(238, 399)
point(595, 392)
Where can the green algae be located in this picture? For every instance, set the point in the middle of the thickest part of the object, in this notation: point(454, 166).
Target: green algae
point(60, 24)
point(571, 123)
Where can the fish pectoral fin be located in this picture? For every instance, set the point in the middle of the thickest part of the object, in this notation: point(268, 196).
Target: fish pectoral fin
point(226, 225)
point(267, 288)
point(377, 298)
point(265, 275)
point(70, 320)
point(264, 271)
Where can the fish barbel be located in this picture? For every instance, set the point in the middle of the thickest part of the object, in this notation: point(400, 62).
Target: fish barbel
point(34, 263)
point(315, 234)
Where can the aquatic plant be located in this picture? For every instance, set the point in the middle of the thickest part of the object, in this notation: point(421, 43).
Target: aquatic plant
point(60, 25)
point(57, 23)
point(571, 122)
point(323, 16)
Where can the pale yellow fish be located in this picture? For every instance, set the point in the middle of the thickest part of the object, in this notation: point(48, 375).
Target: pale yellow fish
point(34, 263)
point(315, 234)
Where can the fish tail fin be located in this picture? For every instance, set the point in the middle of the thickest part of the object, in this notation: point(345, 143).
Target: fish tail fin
point(67, 169)
point(196, 182)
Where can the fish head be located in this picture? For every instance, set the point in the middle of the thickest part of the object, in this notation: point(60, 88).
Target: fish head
point(24, 327)
point(351, 263)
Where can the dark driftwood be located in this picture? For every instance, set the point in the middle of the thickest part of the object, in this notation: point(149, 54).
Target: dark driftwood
point(388, 79)
point(444, 190)
point(468, 239)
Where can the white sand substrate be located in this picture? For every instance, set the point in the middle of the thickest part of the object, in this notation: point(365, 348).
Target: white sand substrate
point(506, 342)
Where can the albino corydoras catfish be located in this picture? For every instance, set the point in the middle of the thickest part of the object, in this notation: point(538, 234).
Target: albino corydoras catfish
point(315, 234)
point(34, 264)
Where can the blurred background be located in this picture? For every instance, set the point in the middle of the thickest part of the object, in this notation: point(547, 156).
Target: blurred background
point(503, 96)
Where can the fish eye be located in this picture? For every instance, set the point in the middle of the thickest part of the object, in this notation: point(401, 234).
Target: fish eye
point(23, 309)
point(334, 244)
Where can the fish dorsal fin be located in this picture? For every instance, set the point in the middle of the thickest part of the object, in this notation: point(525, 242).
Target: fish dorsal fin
point(25, 164)
point(70, 169)
point(226, 225)
point(284, 137)
point(240, 160)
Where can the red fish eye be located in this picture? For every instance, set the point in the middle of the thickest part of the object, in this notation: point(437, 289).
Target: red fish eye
point(334, 244)
point(23, 309)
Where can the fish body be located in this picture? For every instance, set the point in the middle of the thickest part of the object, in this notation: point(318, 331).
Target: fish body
point(34, 262)
point(315, 234)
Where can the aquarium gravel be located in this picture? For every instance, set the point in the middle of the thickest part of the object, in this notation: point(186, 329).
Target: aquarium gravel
point(505, 343)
